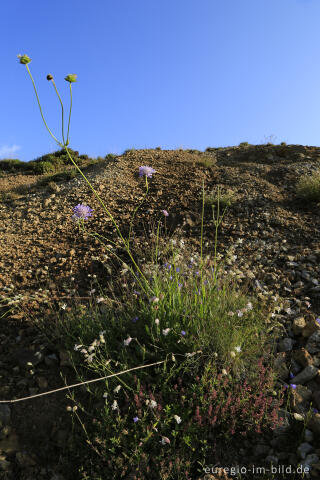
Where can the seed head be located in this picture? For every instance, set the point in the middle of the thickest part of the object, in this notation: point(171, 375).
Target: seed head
point(49, 77)
point(24, 59)
point(71, 78)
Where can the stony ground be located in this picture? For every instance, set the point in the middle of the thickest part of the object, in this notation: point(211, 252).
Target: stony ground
point(43, 255)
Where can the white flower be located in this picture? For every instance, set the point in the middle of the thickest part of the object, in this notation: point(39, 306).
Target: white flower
point(232, 354)
point(105, 394)
point(249, 306)
point(177, 418)
point(165, 440)
point(166, 331)
point(76, 347)
point(116, 390)
point(173, 357)
point(224, 371)
point(153, 404)
point(157, 321)
point(90, 358)
point(64, 306)
point(154, 300)
point(114, 406)
point(238, 349)
point(126, 342)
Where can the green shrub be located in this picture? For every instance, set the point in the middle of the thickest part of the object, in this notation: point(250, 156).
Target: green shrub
point(283, 143)
point(43, 167)
point(110, 157)
point(84, 157)
point(11, 165)
point(244, 144)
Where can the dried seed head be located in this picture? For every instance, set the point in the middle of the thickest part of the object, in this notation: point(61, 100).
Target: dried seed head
point(49, 77)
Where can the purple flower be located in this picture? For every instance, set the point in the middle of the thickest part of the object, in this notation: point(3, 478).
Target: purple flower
point(291, 375)
point(177, 269)
point(148, 171)
point(179, 285)
point(82, 211)
point(165, 213)
point(135, 419)
point(318, 320)
point(183, 333)
point(135, 319)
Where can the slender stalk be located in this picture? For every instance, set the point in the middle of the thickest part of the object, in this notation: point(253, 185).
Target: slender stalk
point(61, 107)
point(40, 108)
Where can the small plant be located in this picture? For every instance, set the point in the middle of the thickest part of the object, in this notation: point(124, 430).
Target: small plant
point(244, 144)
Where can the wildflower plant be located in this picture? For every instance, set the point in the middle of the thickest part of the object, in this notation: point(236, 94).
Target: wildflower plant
point(210, 336)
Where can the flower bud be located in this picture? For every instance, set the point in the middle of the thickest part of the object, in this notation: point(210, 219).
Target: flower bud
point(49, 77)
point(24, 59)
point(72, 77)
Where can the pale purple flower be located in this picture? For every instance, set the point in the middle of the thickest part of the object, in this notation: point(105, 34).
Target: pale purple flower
point(82, 211)
point(165, 213)
point(135, 419)
point(135, 319)
point(148, 171)
point(183, 332)
point(177, 269)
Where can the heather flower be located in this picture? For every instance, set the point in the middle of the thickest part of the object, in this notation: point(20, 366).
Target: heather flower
point(82, 211)
point(148, 171)
point(71, 78)
point(165, 213)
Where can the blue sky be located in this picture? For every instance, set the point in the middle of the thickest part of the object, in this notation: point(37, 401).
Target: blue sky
point(168, 73)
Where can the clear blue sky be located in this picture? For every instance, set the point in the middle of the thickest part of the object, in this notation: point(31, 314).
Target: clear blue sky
point(168, 73)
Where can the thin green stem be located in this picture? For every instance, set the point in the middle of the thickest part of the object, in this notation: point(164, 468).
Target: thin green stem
point(40, 108)
point(69, 115)
point(61, 107)
point(137, 209)
point(109, 250)
point(126, 247)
